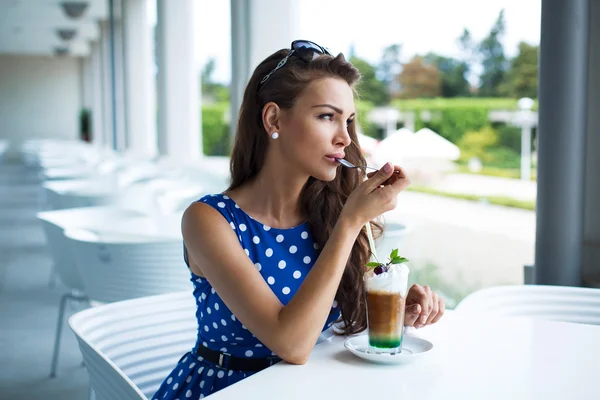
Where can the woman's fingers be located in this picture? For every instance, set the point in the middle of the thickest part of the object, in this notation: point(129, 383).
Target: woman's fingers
point(431, 305)
point(421, 296)
point(441, 308)
point(435, 304)
point(411, 314)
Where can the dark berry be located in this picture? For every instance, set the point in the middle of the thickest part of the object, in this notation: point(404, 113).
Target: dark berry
point(380, 270)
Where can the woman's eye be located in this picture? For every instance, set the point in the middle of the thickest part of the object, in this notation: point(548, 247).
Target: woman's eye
point(328, 117)
point(350, 121)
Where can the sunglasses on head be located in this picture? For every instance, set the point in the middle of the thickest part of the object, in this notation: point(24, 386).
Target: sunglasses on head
point(304, 50)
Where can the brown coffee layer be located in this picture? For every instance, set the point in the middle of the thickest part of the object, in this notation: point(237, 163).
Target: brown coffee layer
point(385, 313)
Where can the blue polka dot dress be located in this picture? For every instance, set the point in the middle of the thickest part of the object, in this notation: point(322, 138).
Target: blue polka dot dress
point(283, 257)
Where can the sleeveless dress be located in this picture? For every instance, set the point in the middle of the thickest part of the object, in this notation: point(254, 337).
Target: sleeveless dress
point(283, 257)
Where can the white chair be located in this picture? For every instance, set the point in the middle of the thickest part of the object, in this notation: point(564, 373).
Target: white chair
point(130, 347)
point(54, 223)
point(177, 200)
point(557, 303)
point(117, 266)
point(75, 193)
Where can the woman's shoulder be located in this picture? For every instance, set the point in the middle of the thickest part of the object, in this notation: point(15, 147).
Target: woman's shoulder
point(210, 198)
point(218, 201)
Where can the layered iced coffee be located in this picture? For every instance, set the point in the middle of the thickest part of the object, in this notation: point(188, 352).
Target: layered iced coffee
point(386, 286)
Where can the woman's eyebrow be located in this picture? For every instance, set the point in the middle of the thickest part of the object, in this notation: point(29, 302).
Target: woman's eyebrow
point(334, 108)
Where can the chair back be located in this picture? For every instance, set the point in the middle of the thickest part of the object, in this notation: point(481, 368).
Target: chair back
point(130, 347)
point(558, 303)
point(54, 224)
point(120, 266)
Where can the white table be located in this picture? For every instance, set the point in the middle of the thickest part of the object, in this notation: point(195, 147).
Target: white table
point(483, 359)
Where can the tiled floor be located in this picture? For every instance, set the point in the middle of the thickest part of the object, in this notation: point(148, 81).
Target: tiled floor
point(28, 305)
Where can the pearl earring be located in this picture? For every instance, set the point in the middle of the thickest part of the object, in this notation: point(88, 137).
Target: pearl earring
point(275, 135)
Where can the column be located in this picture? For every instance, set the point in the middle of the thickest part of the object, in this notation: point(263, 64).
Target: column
point(107, 87)
point(85, 68)
point(98, 132)
point(140, 96)
point(258, 29)
point(563, 103)
point(273, 25)
point(591, 224)
point(179, 93)
point(119, 76)
point(115, 26)
point(240, 59)
point(112, 62)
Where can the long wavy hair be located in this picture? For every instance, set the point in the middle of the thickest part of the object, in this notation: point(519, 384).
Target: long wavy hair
point(322, 201)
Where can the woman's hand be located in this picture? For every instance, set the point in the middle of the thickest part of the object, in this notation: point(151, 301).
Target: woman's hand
point(376, 195)
point(423, 307)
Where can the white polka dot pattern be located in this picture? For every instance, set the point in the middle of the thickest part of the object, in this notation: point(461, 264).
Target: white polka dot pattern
point(283, 258)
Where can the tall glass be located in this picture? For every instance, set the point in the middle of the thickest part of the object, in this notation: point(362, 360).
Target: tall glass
point(386, 299)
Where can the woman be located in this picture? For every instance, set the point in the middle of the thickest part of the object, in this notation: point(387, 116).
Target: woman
point(279, 256)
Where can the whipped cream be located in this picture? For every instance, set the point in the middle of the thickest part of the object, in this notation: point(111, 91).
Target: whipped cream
point(395, 280)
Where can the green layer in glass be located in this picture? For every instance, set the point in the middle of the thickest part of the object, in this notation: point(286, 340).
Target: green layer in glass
point(385, 343)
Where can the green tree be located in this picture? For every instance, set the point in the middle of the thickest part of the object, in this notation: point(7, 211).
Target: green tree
point(212, 91)
point(485, 145)
point(522, 76)
point(419, 79)
point(453, 73)
point(478, 143)
point(390, 66)
point(467, 47)
point(493, 59)
point(370, 88)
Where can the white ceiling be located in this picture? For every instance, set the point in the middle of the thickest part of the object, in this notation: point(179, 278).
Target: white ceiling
point(29, 26)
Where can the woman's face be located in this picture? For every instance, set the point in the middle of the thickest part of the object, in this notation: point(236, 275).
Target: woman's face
point(315, 130)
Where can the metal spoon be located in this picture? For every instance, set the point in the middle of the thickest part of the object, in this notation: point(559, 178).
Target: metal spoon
point(348, 164)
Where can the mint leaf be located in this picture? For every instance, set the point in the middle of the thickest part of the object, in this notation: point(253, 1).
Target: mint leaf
point(372, 264)
point(394, 254)
point(399, 260)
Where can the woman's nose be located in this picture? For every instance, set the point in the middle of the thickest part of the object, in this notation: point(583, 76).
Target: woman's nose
point(344, 137)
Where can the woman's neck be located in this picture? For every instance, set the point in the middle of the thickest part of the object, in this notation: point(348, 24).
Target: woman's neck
point(273, 197)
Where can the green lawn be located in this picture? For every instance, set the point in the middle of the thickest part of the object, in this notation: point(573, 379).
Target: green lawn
point(496, 200)
point(514, 173)
point(458, 102)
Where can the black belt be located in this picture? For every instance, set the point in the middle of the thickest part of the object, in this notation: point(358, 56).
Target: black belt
point(227, 361)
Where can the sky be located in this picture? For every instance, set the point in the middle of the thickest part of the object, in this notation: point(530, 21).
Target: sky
point(371, 25)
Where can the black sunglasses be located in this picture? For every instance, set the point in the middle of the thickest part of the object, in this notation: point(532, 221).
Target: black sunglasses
point(304, 50)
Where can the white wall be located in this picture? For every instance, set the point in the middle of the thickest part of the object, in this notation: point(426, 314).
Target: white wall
point(39, 97)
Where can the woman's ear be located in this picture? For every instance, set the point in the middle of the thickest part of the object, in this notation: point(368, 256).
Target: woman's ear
point(271, 116)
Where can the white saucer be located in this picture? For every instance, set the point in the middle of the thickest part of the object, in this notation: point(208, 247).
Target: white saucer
point(413, 349)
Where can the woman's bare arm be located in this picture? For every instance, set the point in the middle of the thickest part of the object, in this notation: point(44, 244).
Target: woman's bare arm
point(291, 331)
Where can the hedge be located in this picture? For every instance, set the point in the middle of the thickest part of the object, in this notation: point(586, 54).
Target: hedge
point(451, 118)
point(215, 131)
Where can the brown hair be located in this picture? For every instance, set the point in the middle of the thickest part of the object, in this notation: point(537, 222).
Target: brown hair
point(322, 201)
